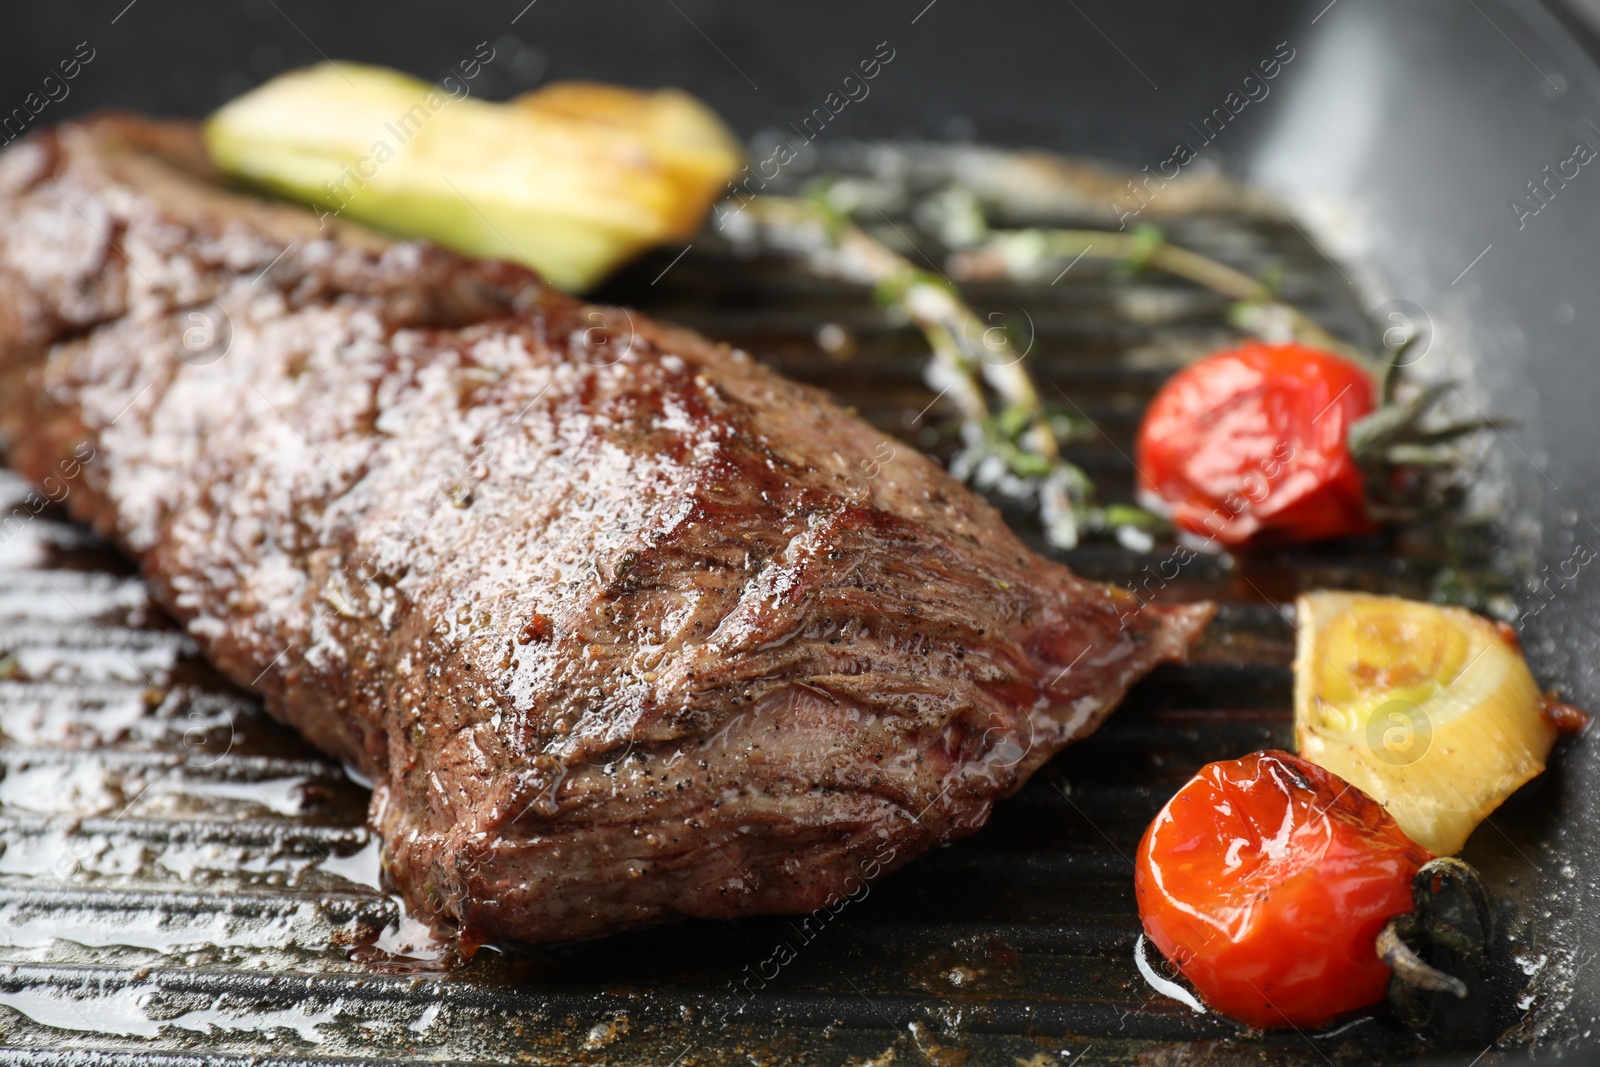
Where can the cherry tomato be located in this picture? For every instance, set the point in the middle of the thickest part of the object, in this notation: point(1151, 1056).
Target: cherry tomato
point(1250, 443)
point(1266, 880)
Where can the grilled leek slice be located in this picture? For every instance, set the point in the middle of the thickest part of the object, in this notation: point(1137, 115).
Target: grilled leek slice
point(1430, 710)
point(565, 191)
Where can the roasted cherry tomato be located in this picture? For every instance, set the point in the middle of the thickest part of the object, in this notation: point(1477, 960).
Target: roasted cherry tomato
point(1251, 443)
point(1266, 881)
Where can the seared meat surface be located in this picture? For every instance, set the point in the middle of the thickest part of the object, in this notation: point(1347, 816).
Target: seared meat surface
point(623, 626)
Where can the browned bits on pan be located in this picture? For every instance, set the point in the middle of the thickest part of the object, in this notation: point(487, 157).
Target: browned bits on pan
point(1564, 717)
point(1508, 634)
point(539, 628)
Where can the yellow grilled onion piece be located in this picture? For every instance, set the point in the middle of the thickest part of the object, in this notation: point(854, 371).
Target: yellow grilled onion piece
point(1429, 710)
point(571, 185)
point(683, 137)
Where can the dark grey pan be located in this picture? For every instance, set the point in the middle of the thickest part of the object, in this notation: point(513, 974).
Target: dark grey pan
point(1401, 138)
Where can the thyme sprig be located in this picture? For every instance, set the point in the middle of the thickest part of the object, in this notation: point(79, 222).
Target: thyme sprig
point(1009, 443)
point(957, 216)
point(1405, 451)
point(1010, 439)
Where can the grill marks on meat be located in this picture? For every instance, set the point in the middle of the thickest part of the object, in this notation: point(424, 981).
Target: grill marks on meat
point(607, 612)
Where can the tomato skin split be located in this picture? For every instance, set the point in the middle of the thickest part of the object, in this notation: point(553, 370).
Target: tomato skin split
point(1251, 444)
point(1266, 881)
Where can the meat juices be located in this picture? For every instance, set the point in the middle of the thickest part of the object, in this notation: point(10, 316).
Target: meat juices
point(613, 616)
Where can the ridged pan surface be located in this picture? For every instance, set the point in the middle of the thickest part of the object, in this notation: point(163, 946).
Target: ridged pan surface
point(182, 876)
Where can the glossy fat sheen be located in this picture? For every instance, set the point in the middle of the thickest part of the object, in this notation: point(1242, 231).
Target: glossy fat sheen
point(620, 623)
point(1266, 879)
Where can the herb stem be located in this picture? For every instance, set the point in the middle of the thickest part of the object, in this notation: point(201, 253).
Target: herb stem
point(1022, 251)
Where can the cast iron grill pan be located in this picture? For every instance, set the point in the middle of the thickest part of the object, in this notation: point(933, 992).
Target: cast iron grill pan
point(181, 877)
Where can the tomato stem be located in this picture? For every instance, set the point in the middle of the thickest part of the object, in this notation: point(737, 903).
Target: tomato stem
point(1409, 968)
point(1452, 922)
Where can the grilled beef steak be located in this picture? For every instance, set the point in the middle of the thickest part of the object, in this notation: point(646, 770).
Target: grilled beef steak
point(623, 626)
